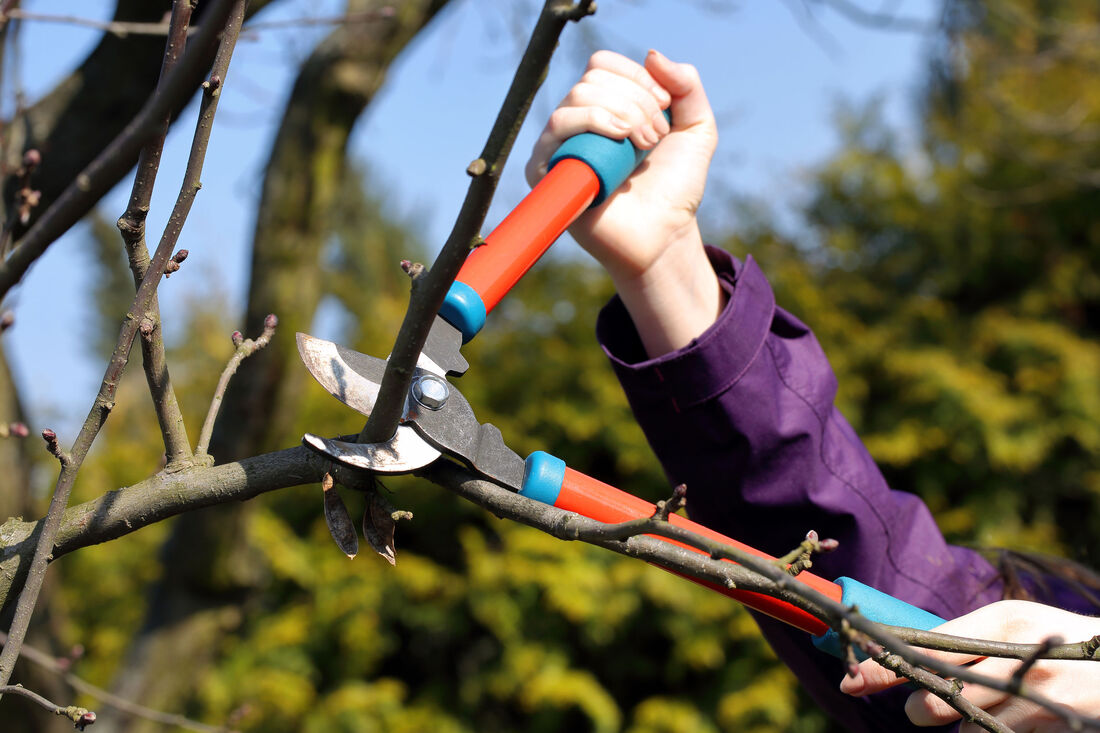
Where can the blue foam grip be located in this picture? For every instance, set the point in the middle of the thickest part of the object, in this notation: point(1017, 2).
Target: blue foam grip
point(463, 309)
point(543, 475)
point(877, 606)
point(611, 160)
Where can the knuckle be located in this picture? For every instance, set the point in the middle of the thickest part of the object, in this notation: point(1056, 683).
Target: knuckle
point(691, 71)
point(558, 118)
point(601, 59)
point(594, 76)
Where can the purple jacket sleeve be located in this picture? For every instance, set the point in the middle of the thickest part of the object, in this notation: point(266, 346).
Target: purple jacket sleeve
point(744, 416)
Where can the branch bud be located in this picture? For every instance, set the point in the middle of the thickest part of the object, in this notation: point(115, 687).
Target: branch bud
point(271, 321)
point(238, 339)
point(477, 168)
point(18, 430)
point(51, 444)
point(32, 159)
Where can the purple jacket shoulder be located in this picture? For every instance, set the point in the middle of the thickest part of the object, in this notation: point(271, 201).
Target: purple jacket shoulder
point(744, 416)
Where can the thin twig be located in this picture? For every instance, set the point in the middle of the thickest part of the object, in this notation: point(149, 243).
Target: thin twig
point(104, 401)
point(1082, 650)
point(122, 29)
point(428, 296)
point(1016, 682)
point(81, 717)
point(244, 349)
point(948, 691)
point(25, 199)
point(177, 447)
point(55, 449)
point(56, 666)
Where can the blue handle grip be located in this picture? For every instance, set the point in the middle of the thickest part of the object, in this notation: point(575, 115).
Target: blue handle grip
point(611, 160)
point(876, 606)
point(543, 475)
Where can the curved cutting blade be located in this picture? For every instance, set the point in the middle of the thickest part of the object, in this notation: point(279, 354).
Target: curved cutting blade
point(404, 452)
point(347, 375)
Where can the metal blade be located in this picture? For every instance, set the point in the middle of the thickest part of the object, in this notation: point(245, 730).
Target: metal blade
point(442, 349)
point(347, 375)
point(404, 452)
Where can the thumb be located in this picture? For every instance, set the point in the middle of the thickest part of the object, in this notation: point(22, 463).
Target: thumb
point(690, 107)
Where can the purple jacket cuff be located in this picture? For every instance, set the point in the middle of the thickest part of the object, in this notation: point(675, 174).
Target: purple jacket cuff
point(710, 364)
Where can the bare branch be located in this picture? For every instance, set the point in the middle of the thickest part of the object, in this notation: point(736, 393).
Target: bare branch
point(177, 447)
point(164, 495)
point(81, 717)
point(167, 494)
point(1082, 650)
point(123, 28)
point(26, 199)
point(61, 668)
point(244, 349)
point(428, 296)
point(55, 449)
point(949, 692)
point(879, 20)
point(104, 402)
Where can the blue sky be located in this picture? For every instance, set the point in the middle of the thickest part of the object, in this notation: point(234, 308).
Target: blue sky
point(773, 71)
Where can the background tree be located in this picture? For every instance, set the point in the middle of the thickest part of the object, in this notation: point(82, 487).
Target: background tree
point(952, 283)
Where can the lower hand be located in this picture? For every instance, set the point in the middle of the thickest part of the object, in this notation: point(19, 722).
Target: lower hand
point(1072, 683)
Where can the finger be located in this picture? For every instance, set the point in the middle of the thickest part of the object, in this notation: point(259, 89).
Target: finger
point(632, 70)
point(925, 709)
point(872, 677)
point(623, 98)
point(689, 106)
point(1022, 716)
point(565, 122)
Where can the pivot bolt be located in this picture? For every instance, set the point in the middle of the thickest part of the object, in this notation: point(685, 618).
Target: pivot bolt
point(431, 391)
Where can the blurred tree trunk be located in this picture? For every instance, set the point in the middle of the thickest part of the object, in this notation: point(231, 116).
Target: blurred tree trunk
point(209, 569)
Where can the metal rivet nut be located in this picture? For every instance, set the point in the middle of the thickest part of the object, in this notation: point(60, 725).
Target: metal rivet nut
point(431, 391)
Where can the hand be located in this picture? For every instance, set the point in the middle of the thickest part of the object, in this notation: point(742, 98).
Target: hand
point(1075, 684)
point(645, 234)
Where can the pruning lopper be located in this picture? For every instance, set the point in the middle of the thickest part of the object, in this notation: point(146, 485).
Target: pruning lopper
point(438, 420)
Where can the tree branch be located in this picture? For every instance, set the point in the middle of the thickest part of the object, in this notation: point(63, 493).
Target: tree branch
point(430, 291)
point(105, 400)
point(59, 667)
point(132, 225)
point(244, 349)
point(126, 510)
point(81, 717)
point(159, 497)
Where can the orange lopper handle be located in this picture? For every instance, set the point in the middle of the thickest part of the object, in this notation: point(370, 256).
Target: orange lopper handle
point(549, 480)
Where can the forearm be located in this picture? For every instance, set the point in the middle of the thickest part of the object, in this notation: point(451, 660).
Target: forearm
point(676, 299)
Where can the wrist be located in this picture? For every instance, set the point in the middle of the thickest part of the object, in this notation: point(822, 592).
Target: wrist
point(676, 298)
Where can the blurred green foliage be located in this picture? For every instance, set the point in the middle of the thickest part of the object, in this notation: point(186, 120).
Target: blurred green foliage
point(955, 282)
